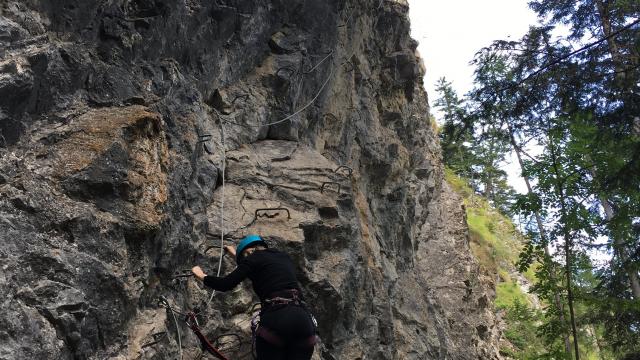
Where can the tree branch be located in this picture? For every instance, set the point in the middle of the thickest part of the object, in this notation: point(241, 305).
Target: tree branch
point(562, 58)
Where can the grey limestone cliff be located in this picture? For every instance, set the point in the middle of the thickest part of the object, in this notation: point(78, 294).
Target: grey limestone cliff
point(120, 121)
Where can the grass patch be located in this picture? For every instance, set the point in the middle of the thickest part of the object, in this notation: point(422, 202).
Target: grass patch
point(494, 231)
point(495, 242)
point(507, 293)
point(458, 184)
point(530, 274)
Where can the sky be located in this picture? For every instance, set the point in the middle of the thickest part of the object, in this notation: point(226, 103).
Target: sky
point(450, 32)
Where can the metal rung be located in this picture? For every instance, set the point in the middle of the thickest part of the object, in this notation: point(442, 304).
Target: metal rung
point(292, 71)
point(204, 138)
point(331, 183)
point(257, 215)
point(271, 209)
point(329, 115)
point(244, 97)
point(340, 152)
point(351, 66)
point(344, 167)
point(182, 274)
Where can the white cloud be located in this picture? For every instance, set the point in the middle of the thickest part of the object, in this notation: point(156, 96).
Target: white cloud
point(451, 32)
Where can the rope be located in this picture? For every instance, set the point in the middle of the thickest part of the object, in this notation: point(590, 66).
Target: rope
point(223, 119)
point(324, 84)
point(226, 119)
point(319, 63)
point(175, 321)
point(166, 304)
point(224, 165)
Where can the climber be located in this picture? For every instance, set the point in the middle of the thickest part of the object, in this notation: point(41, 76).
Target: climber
point(286, 330)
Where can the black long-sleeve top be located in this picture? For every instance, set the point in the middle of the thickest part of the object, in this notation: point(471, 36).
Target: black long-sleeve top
point(270, 271)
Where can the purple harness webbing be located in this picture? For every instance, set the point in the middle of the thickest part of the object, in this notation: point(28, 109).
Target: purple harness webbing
point(191, 321)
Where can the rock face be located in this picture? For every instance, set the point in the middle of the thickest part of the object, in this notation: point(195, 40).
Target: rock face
point(135, 133)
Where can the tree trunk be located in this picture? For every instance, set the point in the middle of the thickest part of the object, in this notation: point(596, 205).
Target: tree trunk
point(621, 252)
point(616, 56)
point(556, 295)
point(599, 347)
point(614, 49)
point(567, 249)
point(622, 81)
point(619, 246)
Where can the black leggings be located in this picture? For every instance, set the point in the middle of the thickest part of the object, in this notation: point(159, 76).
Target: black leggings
point(267, 351)
point(293, 325)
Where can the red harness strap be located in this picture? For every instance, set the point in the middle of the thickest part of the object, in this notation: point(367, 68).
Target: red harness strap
point(193, 324)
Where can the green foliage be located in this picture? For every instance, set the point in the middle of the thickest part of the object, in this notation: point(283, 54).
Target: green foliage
point(509, 293)
point(494, 239)
point(458, 184)
point(522, 331)
point(473, 149)
point(580, 110)
point(455, 134)
point(615, 314)
point(496, 244)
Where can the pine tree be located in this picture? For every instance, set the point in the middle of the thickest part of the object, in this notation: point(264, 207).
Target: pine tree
point(473, 148)
point(456, 134)
point(578, 100)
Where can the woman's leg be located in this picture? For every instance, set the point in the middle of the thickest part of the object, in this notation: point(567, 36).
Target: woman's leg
point(299, 353)
point(267, 351)
point(294, 326)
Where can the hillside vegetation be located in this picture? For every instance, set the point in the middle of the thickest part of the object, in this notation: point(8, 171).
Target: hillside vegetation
point(496, 243)
point(566, 109)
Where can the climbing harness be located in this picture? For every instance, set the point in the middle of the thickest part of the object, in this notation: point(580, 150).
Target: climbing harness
point(192, 322)
point(290, 297)
point(190, 318)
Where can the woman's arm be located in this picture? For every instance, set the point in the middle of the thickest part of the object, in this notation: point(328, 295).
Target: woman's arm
point(223, 283)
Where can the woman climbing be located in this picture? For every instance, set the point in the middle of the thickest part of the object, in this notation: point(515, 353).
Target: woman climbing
point(286, 329)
